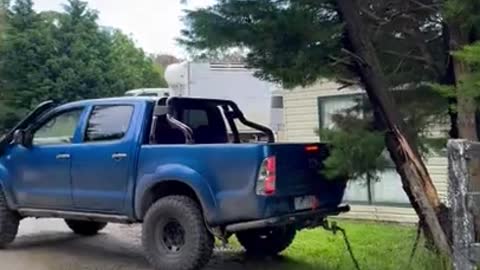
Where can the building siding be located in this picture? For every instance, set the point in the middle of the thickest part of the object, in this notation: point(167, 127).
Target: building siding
point(301, 122)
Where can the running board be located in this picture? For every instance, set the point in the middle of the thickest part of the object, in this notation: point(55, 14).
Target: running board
point(44, 213)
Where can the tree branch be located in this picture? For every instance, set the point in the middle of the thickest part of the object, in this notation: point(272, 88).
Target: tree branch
point(400, 64)
point(355, 56)
point(428, 56)
point(347, 82)
point(407, 56)
point(371, 15)
point(340, 60)
point(433, 7)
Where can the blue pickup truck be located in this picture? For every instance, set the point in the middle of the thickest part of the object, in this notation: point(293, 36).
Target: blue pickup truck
point(176, 165)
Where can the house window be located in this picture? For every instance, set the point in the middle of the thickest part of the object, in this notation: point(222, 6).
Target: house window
point(388, 189)
point(330, 106)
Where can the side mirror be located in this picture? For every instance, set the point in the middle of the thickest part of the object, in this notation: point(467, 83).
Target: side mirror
point(19, 137)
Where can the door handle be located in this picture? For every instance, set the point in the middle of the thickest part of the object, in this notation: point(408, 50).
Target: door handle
point(63, 156)
point(119, 156)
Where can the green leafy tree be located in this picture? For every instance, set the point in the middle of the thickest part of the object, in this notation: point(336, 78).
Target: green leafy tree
point(373, 43)
point(26, 43)
point(135, 69)
point(470, 82)
point(80, 66)
point(65, 56)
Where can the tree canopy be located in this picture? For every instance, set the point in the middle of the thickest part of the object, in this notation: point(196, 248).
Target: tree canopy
point(300, 42)
point(66, 56)
point(387, 47)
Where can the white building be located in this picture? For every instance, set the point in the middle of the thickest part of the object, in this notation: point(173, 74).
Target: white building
point(257, 99)
point(308, 109)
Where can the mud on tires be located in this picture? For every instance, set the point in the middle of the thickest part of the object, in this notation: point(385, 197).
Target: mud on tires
point(174, 235)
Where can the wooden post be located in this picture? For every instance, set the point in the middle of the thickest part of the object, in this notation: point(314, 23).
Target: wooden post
point(462, 220)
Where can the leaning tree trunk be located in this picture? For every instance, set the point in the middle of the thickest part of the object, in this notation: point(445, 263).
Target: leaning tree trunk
point(415, 178)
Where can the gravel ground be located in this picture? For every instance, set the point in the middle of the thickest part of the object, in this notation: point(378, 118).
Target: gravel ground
point(49, 245)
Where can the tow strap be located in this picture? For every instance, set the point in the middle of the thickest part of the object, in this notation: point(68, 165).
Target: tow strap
point(334, 228)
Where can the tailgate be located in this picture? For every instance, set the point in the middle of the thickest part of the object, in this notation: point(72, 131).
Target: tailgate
point(299, 172)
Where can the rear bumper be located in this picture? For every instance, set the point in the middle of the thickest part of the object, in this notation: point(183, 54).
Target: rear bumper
point(306, 219)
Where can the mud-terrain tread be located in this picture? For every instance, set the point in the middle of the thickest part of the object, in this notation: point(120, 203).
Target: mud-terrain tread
point(185, 209)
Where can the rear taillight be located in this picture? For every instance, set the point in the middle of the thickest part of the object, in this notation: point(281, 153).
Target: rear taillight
point(266, 182)
point(311, 148)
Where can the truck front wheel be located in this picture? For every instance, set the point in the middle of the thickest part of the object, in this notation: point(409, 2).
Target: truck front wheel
point(267, 241)
point(9, 221)
point(86, 228)
point(174, 235)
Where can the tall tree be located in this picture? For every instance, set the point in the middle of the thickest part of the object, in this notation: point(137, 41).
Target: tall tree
point(462, 27)
point(26, 43)
point(80, 67)
point(298, 42)
point(66, 56)
point(3, 23)
point(131, 64)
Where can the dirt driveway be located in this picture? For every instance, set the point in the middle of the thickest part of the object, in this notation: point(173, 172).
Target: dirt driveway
point(49, 245)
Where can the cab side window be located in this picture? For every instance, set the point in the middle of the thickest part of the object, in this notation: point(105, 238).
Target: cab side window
point(108, 123)
point(58, 130)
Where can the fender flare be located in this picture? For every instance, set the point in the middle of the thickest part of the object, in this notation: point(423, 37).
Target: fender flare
point(177, 173)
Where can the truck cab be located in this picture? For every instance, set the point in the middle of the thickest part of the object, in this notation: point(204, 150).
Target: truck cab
point(176, 165)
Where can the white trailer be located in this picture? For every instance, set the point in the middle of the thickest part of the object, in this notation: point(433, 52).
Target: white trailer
point(260, 101)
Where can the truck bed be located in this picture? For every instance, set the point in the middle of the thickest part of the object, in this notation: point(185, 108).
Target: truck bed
point(230, 171)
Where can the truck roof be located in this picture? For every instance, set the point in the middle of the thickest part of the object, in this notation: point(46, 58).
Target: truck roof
point(88, 102)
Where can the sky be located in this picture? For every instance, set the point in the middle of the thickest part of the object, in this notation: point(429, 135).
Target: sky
point(153, 24)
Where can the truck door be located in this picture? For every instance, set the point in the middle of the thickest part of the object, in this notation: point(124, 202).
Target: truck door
point(42, 171)
point(103, 162)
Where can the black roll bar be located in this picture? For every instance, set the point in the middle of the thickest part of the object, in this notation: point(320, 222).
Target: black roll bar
point(231, 110)
point(187, 131)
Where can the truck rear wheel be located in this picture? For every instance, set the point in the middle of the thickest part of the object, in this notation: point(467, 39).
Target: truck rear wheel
point(268, 241)
point(85, 228)
point(174, 235)
point(9, 222)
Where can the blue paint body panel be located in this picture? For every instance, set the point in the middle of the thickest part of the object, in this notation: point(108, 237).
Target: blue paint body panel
point(223, 176)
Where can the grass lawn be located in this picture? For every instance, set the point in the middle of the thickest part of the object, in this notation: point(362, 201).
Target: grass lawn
point(376, 246)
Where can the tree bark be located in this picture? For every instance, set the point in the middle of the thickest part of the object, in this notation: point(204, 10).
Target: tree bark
point(466, 105)
point(415, 178)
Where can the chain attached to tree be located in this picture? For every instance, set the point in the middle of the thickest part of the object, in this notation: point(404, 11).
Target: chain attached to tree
point(415, 244)
point(334, 228)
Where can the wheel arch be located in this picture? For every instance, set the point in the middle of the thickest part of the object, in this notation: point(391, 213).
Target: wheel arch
point(166, 188)
point(174, 180)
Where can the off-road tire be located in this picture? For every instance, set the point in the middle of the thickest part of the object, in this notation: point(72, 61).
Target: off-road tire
point(9, 222)
point(268, 241)
point(191, 235)
point(85, 228)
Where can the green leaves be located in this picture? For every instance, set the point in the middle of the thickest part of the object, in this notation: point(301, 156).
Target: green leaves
point(470, 54)
point(132, 67)
point(298, 42)
point(469, 80)
point(464, 13)
point(66, 56)
point(292, 42)
point(355, 153)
